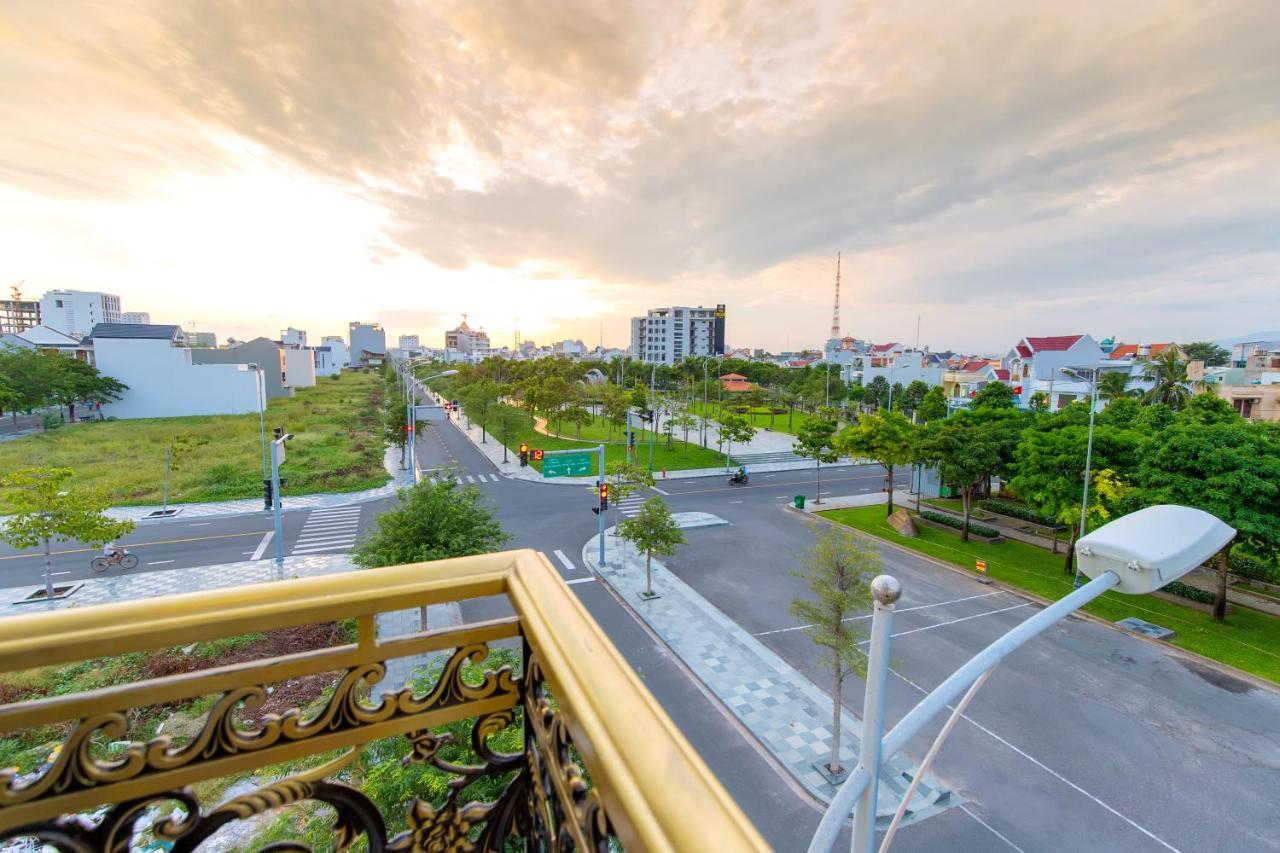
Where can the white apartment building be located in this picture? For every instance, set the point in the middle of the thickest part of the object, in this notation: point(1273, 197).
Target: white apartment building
point(136, 318)
point(338, 350)
point(76, 312)
point(409, 342)
point(292, 337)
point(669, 335)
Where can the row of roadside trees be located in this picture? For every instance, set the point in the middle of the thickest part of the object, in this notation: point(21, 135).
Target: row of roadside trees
point(30, 380)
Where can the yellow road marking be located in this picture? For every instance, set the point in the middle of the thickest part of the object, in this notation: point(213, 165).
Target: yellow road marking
point(137, 544)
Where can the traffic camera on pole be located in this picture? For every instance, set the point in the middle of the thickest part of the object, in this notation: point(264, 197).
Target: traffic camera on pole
point(524, 455)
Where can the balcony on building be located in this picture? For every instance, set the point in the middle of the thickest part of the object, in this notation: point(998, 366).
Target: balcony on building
point(528, 730)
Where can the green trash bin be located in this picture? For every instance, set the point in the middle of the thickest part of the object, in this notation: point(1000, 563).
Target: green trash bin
point(799, 501)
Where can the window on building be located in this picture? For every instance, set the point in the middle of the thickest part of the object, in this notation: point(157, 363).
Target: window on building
point(58, 302)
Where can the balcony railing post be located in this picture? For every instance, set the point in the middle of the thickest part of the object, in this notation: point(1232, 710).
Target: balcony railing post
point(886, 590)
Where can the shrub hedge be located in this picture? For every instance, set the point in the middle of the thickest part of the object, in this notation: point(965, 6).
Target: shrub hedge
point(1017, 510)
point(1187, 591)
point(1251, 567)
point(958, 524)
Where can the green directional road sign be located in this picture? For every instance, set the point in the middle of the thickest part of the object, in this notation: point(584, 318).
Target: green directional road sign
point(567, 465)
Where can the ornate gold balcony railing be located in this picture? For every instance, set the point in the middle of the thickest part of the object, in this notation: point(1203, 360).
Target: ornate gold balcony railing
point(602, 765)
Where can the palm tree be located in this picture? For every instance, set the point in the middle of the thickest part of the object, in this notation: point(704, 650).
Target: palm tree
point(1113, 385)
point(1168, 374)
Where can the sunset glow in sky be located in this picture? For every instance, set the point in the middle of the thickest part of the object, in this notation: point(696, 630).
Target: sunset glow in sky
point(998, 169)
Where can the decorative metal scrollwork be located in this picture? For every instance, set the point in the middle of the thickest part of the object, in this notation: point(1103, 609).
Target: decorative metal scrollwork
point(546, 800)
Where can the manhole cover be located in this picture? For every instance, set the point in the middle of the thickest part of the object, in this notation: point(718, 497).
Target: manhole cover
point(1146, 629)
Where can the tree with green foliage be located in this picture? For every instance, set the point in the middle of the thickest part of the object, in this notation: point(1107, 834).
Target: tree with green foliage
point(967, 449)
point(1155, 417)
point(1210, 353)
point(653, 531)
point(734, 428)
point(29, 376)
point(684, 421)
point(838, 570)
point(1039, 402)
point(1208, 408)
point(1122, 412)
point(1230, 470)
point(913, 396)
point(480, 400)
point(886, 438)
point(431, 521)
point(506, 422)
point(614, 407)
point(46, 507)
point(878, 392)
point(857, 395)
point(933, 406)
point(72, 380)
point(1113, 385)
point(1167, 372)
point(994, 395)
point(815, 440)
point(395, 423)
point(1050, 472)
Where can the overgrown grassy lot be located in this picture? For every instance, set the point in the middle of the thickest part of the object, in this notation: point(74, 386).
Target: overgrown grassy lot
point(337, 447)
point(1247, 639)
point(682, 456)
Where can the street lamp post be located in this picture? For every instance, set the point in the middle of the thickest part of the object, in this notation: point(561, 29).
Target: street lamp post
point(828, 384)
point(1135, 555)
point(262, 427)
point(413, 419)
point(1088, 452)
point(653, 410)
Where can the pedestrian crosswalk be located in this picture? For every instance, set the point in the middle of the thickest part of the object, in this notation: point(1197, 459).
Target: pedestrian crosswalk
point(329, 530)
point(466, 479)
point(630, 506)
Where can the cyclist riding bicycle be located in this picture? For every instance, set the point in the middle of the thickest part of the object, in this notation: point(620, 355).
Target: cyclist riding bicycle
point(114, 552)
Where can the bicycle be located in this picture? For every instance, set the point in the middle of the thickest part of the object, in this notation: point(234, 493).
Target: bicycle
point(124, 561)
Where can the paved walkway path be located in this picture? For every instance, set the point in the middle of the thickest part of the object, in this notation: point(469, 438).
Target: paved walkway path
point(788, 714)
point(249, 506)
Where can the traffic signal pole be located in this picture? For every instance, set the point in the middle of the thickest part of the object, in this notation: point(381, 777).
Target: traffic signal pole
point(600, 520)
point(275, 501)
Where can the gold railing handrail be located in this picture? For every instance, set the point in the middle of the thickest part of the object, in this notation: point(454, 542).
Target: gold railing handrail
point(657, 791)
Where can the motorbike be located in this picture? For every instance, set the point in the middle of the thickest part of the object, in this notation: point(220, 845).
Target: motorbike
point(739, 479)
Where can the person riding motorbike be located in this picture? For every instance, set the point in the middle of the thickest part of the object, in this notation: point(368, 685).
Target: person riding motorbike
point(740, 476)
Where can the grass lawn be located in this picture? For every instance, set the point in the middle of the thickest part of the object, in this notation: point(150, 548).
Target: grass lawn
point(758, 417)
point(682, 457)
point(337, 447)
point(1247, 639)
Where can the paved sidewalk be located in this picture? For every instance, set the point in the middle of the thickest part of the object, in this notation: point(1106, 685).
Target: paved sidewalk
point(251, 506)
point(788, 714)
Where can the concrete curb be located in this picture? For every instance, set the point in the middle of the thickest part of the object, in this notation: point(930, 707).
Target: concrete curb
point(1228, 669)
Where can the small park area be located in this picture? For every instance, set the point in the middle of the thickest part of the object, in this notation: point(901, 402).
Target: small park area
point(1247, 639)
point(337, 447)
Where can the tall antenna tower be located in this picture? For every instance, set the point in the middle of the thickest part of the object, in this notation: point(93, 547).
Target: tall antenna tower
point(835, 312)
point(516, 348)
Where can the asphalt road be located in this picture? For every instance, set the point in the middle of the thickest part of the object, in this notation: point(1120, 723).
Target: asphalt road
point(1087, 739)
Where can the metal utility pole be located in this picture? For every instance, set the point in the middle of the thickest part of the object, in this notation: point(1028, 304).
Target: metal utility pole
point(1088, 464)
point(277, 456)
point(600, 519)
point(262, 424)
point(653, 412)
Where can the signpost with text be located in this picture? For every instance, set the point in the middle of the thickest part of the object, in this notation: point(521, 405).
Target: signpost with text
point(577, 463)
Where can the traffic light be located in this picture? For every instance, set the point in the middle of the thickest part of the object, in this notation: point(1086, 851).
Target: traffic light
point(524, 455)
point(266, 493)
point(604, 496)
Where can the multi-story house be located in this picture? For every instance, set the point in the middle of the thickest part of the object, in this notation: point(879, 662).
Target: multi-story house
point(1037, 364)
point(76, 312)
point(368, 343)
point(669, 335)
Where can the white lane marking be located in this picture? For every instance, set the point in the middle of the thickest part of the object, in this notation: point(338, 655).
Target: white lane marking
point(319, 549)
point(201, 523)
point(262, 546)
point(159, 562)
point(313, 540)
point(565, 561)
point(323, 513)
point(332, 525)
point(896, 610)
point(470, 480)
point(991, 828)
point(581, 580)
point(659, 491)
point(459, 481)
point(55, 574)
point(735, 502)
point(1046, 768)
point(961, 619)
point(245, 553)
point(774, 475)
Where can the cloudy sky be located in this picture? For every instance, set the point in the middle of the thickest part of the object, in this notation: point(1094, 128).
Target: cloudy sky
point(995, 168)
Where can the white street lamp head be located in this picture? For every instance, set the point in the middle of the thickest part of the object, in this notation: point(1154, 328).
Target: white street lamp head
point(886, 589)
point(1153, 546)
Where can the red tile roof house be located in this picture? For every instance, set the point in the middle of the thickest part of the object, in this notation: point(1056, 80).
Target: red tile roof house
point(734, 383)
point(1035, 364)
